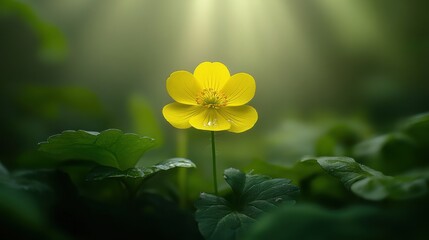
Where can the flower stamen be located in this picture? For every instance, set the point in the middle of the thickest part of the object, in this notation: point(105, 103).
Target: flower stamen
point(211, 98)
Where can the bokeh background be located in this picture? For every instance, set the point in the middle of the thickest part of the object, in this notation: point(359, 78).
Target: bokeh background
point(328, 73)
point(94, 65)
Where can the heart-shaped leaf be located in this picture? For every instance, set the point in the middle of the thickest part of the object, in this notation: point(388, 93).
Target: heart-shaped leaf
point(111, 147)
point(369, 183)
point(103, 172)
point(253, 195)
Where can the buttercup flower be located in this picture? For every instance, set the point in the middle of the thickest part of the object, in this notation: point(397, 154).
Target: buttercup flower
point(211, 99)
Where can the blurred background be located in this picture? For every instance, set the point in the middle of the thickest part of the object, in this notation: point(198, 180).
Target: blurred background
point(94, 65)
point(329, 74)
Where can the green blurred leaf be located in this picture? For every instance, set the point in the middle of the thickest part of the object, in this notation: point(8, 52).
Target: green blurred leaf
point(111, 147)
point(27, 197)
point(369, 183)
point(143, 118)
point(338, 140)
point(53, 44)
point(23, 180)
point(103, 172)
point(23, 183)
point(418, 173)
point(253, 195)
point(41, 182)
point(417, 127)
point(402, 150)
point(3, 170)
point(308, 222)
point(21, 209)
point(388, 152)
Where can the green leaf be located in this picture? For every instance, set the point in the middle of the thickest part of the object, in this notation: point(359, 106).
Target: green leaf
point(23, 180)
point(24, 183)
point(369, 183)
point(417, 127)
point(111, 148)
point(103, 172)
point(253, 195)
point(337, 140)
point(418, 173)
point(47, 185)
point(308, 221)
point(387, 153)
point(297, 172)
point(3, 170)
point(26, 198)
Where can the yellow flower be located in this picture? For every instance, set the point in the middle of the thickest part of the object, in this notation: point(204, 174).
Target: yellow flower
point(211, 99)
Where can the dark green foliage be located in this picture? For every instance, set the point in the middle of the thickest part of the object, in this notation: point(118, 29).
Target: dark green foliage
point(404, 149)
point(104, 172)
point(333, 77)
point(309, 221)
point(252, 196)
point(84, 216)
point(45, 205)
point(111, 147)
point(368, 183)
point(338, 140)
point(29, 198)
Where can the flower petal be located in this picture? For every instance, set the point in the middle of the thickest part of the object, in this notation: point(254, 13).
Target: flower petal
point(212, 75)
point(239, 89)
point(183, 87)
point(178, 114)
point(210, 120)
point(241, 118)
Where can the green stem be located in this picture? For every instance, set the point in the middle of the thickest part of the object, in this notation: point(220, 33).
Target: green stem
point(214, 163)
point(182, 178)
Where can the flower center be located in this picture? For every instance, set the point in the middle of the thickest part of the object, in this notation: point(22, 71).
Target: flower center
point(211, 98)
